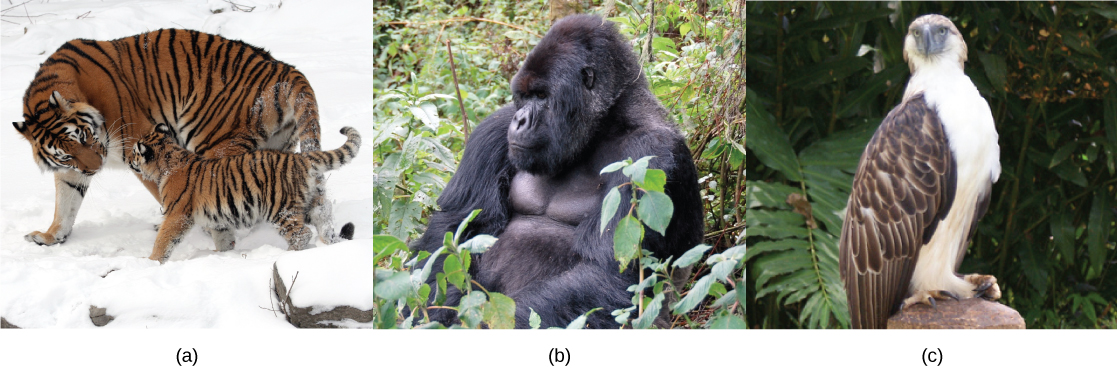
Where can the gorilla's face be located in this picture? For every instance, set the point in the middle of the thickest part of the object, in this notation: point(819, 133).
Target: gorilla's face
point(564, 91)
point(552, 124)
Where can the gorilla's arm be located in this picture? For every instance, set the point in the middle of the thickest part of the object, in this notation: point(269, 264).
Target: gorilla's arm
point(481, 182)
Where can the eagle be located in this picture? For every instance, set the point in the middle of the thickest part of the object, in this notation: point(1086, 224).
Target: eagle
point(922, 184)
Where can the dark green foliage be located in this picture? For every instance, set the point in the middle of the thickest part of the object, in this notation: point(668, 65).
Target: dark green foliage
point(823, 75)
point(654, 209)
point(696, 70)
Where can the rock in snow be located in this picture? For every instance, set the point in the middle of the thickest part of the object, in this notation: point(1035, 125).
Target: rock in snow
point(99, 317)
point(327, 286)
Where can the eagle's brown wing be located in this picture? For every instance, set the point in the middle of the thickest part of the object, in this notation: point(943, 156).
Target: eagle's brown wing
point(904, 185)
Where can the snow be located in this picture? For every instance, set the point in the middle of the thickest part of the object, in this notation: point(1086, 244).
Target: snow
point(324, 277)
point(104, 261)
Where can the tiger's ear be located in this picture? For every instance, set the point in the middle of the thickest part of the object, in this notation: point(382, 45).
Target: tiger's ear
point(56, 100)
point(145, 152)
point(21, 126)
point(163, 128)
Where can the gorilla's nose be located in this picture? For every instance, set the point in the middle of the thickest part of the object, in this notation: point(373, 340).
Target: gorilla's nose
point(521, 121)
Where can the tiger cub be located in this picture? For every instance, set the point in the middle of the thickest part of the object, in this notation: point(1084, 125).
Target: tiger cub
point(238, 192)
point(90, 100)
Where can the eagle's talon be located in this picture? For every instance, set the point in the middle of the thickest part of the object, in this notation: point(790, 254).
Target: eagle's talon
point(950, 295)
point(984, 286)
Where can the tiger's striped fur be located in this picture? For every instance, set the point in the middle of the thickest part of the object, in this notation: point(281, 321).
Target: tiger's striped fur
point(237, 192)
point(91, 99)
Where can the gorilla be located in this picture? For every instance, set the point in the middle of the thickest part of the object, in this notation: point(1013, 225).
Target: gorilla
point(581, 102)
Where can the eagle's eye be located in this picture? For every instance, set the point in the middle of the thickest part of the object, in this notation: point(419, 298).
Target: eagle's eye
point(915, 32)
point(942, 31)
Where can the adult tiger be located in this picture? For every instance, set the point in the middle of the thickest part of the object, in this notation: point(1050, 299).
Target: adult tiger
point(221, 97)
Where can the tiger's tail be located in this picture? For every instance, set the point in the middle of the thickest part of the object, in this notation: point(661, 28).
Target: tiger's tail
point(332, 160)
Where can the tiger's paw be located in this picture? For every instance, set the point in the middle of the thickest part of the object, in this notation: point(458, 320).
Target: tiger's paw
point(162, 258)
point(42, 238)
point(985, 286)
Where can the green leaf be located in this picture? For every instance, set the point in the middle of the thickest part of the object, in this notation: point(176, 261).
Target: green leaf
point(626, 241)
point(499, 312)
point(638, 169)
point(391, 285)
point(452, 266)
point(842, 149)
point(736, 155)
point(654, 180)
point(426, 270)
point(580, 322)
point(727, 322)
point(843, 20)
point(427, 113)
point(465, 224)
point(1062, 154)
point(439, 299)
point(1062, 233)
point(762, 194)
point(469, 308)
point(722, 269)
point(651, 312)
point(696, 295)
point(663, 44)
point(533, 319)
point(769, 141)
point(1111, 134)
point(448, 240)
point(996, 69)
point(1097, 231)
point(691, 256)
point(609, 207)
point(655, 209)
point(726, 299)
point(615, 166)
point(386, 245)
point(478, 244)
point(819, 74)
point(713, 149)
point(778, 245)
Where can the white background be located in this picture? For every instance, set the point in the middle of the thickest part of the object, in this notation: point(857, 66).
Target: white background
point(330, 42)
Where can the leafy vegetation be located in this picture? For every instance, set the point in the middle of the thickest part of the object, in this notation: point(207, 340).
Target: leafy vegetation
point(823, 75)
point(693, 57)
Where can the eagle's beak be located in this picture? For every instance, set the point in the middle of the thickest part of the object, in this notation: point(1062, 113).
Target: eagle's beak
point(931, 39)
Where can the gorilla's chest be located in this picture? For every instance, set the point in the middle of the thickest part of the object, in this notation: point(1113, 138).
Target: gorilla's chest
point(567, 198)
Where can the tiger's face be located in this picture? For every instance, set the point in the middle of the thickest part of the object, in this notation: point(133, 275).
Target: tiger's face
point(65, 136)
point(148, 149)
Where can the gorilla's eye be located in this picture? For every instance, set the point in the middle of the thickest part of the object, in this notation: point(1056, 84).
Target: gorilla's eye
point(541, 95)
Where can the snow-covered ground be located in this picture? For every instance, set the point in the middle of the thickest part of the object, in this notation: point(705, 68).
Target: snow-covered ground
point(104, 260)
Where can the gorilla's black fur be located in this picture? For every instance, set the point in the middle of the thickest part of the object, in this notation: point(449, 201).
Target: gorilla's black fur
point(581, 103)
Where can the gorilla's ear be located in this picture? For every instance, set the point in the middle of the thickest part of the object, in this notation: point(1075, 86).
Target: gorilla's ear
point(587, 77)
